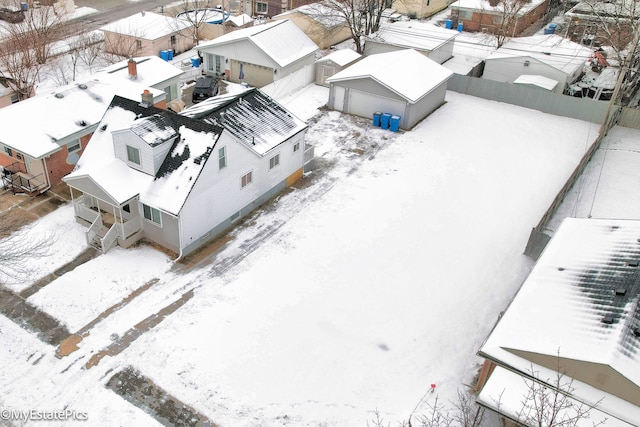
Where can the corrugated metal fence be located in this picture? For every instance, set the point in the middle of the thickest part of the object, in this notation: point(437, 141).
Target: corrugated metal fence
point(538, 99)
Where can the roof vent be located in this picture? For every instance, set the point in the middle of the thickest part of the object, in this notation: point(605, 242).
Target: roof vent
point(632, 263)
point(607, 319)
point(621, 291)
point(82, 86)
point(59, 95)
point(636, 331)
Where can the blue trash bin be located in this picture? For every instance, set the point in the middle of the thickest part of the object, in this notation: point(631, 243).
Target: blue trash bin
point(164, 54)
point(460, 26)
point(24, 6)
point(195, 61)
point(376, 118)
point(170, 54)
point(448, 24)
point(394, 123)
point(385, 120)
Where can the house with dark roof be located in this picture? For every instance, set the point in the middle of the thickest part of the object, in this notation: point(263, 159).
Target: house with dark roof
point(572, 330)
point(181, 179)
point(35, 157)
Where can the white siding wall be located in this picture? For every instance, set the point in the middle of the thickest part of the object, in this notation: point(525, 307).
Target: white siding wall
point(125, 137)
point(509, 69)
point(243, 50)
point(218, 194)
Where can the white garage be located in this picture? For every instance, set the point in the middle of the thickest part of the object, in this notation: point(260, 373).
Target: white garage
point(403, 83)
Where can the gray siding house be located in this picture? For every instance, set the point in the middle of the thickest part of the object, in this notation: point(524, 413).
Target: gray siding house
point(404, 83)
point(181, 179)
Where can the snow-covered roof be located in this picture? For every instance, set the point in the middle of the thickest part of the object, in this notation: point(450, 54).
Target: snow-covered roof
point(239, 20)
point(536, 80)
point(169, 188)
point(581, 303)
point(406, 72)
point(607, 9)
point(485, 6)
point(321, 13)
point(257, 120)
point(341, 57)
point(147, 25)
point(282, 41)
point(75, 108)
point(414, 34)
point(550, 49)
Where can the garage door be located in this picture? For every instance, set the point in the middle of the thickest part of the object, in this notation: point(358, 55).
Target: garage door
point(364, 104)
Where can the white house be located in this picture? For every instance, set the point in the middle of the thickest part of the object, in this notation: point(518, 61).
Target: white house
point(403, 83)
point(577, 315)
point(550, 56)
point(181, 179)
point(262, 54)
point(432, 41)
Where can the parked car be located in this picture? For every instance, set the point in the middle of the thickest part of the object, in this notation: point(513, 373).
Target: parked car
point(206, 87)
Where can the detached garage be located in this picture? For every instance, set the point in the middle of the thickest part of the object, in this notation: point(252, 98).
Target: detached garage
point(404, 83)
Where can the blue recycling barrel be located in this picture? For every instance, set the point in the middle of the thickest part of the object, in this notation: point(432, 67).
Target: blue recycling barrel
point(448, 24)
point(164, 54)
point(460, 26)
point(170, 54)
point(385, 120)
point(195, 61)
point(376, 118)
point(394, 123)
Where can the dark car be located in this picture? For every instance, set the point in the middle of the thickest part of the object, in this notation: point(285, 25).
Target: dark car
point(206, 87)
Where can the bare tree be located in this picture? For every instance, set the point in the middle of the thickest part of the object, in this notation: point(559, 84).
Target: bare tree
point(192, 16)
point(549, 403)
point(362, 16)
point(505, 22)
point(17, 246)
point(122, 44)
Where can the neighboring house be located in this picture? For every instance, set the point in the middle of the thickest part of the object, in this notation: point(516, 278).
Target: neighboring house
point(603, 23)
point(147, 33)
point(404, 83)
point(261, 55)
point(181, 179)
point(432, 41)
point(577, 315)
point(549, 56)
point(270, 8)
point(488, 16)
point(37, 156)
point(7, 95)
point(333, 63)
point(323, 25)
point(420, 8)
point(469, 54)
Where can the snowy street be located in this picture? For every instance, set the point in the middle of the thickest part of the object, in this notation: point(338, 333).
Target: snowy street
point(379, 273)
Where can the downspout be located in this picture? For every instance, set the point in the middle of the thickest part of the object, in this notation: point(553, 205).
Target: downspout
point(179, 241)
point(46, 173)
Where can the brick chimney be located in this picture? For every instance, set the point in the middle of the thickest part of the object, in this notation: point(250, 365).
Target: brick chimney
point(133, 69)
point(147, 98)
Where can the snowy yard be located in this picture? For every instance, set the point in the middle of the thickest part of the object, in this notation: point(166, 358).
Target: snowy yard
point(385, 274)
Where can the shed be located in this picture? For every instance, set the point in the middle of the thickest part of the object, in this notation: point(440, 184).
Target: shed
point(403, 83)
point(536, 81)
point(430, 40)
point(550, 56)
point(334, 63)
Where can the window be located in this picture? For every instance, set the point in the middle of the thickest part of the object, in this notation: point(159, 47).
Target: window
point(222, 158)
point(274, 161)
point(74, 146)
point(15, 98)
point(9, 151)
point(152, 214)
point(246, 179)
point(296, 147)
point(173, 39)
point(210, 61)
point(465, 14)
point(133, 154)
point(138, 44)
point(126, 208)
point(218, 64)
point(261, 7)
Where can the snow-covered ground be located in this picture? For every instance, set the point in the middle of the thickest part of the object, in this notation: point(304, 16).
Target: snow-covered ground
point(383, 275)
